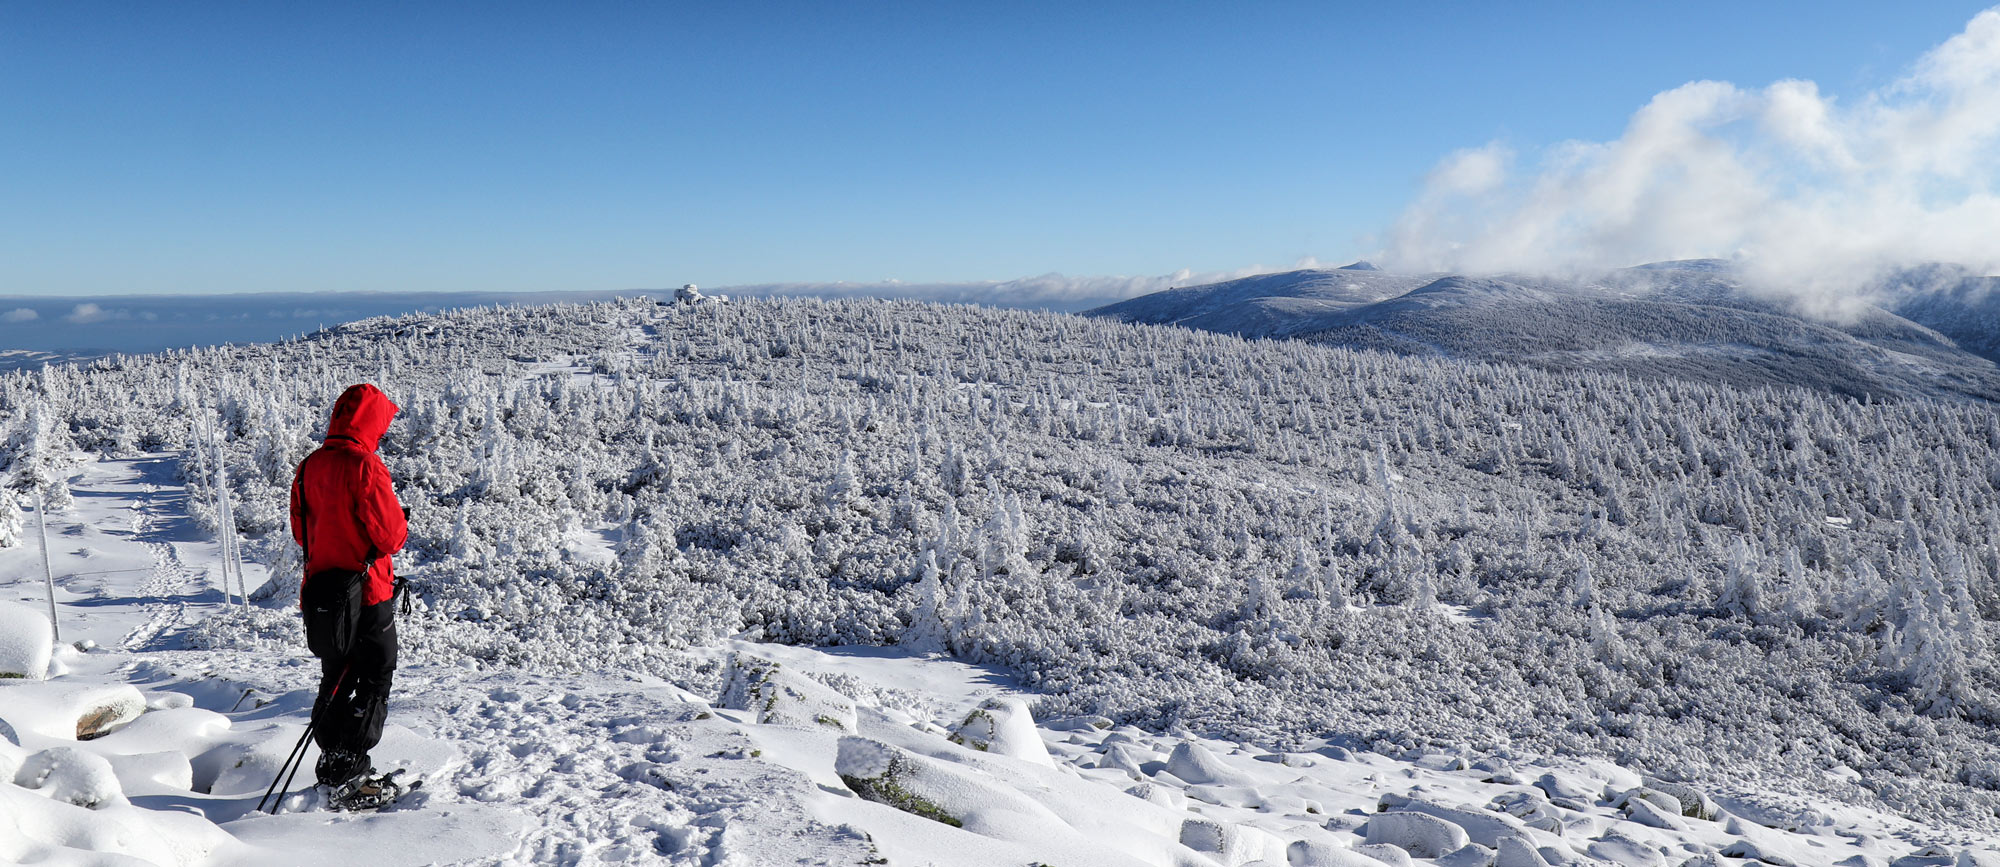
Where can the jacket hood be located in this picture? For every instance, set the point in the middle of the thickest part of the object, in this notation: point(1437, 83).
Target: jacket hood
point(362, 414)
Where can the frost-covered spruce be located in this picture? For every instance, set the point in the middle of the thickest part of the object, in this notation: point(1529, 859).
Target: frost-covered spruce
point(1099, 499)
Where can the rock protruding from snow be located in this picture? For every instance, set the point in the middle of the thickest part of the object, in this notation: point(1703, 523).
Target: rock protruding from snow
point(1618, 848)
point(1469, 855)
point(1003, 727)
point(690, 295)
point(1122, 757)
point(25, 641)
point(780, 697)
point(1392, 855)
point(1567, 788)
point(69, 711)
point(71, 776)
point(1314, 853)
point(934, 789)
point(1750, 851)
point(1420, 834)
point(1647, 813)
point(1518, 852)
point(1230, 844)
point(1666, 802)
point(1694, 804)
point(1483, 827)
point(1192, 763)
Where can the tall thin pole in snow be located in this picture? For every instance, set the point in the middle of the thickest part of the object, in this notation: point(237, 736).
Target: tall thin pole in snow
point(48, 571)
point(226, 531)
point(219, 502)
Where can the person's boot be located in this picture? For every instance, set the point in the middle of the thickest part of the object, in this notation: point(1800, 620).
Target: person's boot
point(340, 767)
point(371, 792)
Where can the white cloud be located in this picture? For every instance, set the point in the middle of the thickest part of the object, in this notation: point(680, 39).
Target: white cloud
point(20, 314)
point(1472, 171)
point(1051, 291)
point(87, 313)
point(1811, 196)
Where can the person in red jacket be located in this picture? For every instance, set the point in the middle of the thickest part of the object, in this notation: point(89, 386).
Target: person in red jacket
point(347, 520)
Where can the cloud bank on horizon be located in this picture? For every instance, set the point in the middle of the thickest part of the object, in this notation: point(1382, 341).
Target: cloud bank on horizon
point(1058, 292)
point(1807, 194)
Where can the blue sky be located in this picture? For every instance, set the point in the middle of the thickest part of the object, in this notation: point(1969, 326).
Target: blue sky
point(240, 147)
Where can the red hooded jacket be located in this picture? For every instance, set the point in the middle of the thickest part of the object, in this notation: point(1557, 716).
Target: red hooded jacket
point(345, 514)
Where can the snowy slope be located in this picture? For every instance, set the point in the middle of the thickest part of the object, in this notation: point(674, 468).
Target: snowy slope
point(1692, 320)
point(1265, 543)
point(1956, 303)
point(600, 767)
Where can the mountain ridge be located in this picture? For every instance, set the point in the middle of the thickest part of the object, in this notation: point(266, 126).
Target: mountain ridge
point(1688, 319)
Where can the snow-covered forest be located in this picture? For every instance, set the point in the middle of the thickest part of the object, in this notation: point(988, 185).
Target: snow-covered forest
point(1260, 541)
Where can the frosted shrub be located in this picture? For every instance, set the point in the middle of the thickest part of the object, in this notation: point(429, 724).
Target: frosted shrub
point(1088, 505)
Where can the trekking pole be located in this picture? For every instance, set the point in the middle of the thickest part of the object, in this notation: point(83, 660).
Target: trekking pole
point(295, 769)
point(292, 761)
point(298, 756)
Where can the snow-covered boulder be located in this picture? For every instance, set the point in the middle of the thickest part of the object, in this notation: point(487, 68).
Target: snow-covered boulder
point(1693, 803)
point(1534, 810)
point(1194, 764)
point(25, 641)
point(69, 711)
point(1518, 851)
point(1242, 797)
point(1620, 849)
point(1420, 834)
point(1004, 727)
point(166, 770)
point(1748, 850)
point(1568, 788)
point(1650, 795)
point(691, 295)
point(1230, 844)
point(1651, 815)
point(1154, 793)
point(1469, 855)
point(777, 696)
point(936, 790)
point(1483, 827)
point(1387, 853)
point(1928, 856)
point(41, 830)
point(1125, 758)
point(72, 776)
point(1314, 853)
point(1969, 858)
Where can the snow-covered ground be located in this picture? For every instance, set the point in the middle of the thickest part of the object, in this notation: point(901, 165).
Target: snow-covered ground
point(762, 754)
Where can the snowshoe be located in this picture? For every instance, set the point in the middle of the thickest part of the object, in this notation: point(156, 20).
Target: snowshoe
point(370, 792)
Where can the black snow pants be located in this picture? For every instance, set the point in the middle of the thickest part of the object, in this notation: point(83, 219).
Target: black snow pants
point(354, 691)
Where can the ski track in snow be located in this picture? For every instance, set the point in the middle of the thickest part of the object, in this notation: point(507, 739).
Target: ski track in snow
point(620, 772)
point(602, 769)
point(171, 585)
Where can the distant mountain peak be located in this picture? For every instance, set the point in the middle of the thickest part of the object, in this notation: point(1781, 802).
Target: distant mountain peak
point(1704, 265)
point(1359, 265)
point(1689, 320)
